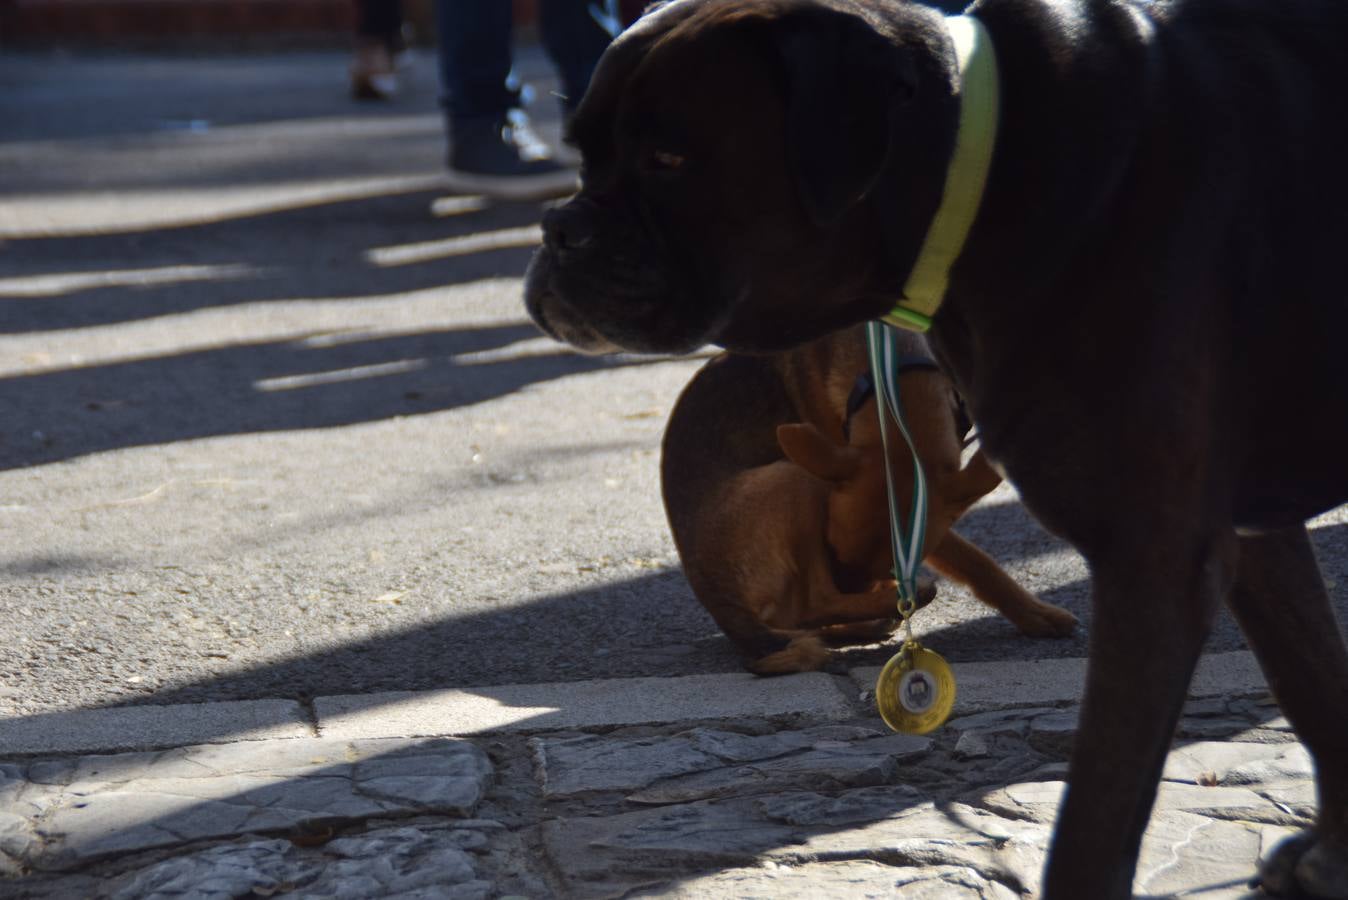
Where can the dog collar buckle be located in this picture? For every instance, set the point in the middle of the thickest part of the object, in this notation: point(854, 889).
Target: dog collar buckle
point(909, 319)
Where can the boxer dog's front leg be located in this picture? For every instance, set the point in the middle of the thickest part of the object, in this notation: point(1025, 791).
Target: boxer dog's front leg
point(1154, 598)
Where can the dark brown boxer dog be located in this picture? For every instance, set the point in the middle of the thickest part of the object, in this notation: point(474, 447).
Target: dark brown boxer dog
point(1146, 315)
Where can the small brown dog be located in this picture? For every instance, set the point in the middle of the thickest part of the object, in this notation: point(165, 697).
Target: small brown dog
point(791, 553)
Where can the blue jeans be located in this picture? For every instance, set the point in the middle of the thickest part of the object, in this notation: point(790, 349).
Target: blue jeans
point(475, 52)
point(381, 19)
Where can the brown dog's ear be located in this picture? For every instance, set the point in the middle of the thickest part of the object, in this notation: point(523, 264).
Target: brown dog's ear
point(807, 447)
point(843, 82)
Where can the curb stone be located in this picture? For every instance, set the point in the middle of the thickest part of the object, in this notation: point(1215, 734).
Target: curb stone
point(582, 704)
point(1053, 682)
point(147, 727)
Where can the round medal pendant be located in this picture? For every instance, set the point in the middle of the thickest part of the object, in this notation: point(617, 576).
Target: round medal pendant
point(915, 691)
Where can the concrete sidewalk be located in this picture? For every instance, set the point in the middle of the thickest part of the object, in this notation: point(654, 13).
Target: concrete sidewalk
point(703, 786)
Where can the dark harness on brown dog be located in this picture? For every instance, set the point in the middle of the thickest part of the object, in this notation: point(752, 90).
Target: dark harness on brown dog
point(864, 389)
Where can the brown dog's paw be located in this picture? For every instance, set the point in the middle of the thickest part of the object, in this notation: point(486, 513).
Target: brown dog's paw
point(806, 653)
point(1303, 866)
point(873, 631)
point(1044, 620)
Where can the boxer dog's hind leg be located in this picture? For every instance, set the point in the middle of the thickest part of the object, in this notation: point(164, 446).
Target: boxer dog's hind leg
point(1280, 601)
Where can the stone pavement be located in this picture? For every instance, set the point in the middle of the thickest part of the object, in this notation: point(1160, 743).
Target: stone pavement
point(786, 787)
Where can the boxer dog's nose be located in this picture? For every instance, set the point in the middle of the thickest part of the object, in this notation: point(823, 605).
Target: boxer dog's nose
point(568, 227)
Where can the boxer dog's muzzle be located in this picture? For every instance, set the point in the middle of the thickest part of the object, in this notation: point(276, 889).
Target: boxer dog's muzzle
point(597, 283)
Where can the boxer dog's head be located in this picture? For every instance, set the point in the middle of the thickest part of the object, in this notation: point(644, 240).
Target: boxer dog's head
point(731, 151)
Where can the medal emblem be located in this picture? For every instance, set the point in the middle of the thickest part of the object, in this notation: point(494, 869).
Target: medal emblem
point(915, 691)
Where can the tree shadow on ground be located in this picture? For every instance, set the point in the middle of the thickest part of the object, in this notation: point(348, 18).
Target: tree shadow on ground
point(318, 381)
point(641, 626)
point(373, 246)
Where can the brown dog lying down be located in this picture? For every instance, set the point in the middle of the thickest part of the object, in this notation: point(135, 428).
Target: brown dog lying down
point(792, 555)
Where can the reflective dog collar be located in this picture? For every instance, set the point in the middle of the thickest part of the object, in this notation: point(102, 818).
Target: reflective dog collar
point(964, 179)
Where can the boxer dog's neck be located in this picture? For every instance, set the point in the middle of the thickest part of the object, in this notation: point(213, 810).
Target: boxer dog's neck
point(965, 178)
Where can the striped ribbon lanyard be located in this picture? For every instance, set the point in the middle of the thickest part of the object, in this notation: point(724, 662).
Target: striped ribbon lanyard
point(915, 690)
point(907, 543)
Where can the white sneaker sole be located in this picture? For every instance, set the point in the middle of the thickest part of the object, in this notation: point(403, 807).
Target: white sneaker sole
point(515, 187)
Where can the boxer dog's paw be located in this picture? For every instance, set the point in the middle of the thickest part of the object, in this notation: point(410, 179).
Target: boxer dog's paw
point(1307, 868)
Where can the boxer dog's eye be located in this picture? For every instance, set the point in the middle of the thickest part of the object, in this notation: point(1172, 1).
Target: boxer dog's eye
point(664, 161)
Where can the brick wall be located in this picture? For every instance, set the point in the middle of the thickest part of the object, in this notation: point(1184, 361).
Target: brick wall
point(221, 23)
point(226, 22)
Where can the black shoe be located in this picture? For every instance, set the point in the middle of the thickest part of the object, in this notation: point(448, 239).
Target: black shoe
point(502, 158)
point(374, 73)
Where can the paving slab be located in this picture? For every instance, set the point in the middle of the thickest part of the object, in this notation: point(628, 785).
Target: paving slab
point(430, 861)
point(895, 824)
point(1038, 801)
point(703, 763)
point(1047, 682)
point(827, 765)
point(999, 721)
point(376, 864)
point(1184, 854)
point(852, 880)
point(582, 704)
point(150, 727)
point(1238, 762)
point(69, 813)
point(579, 764)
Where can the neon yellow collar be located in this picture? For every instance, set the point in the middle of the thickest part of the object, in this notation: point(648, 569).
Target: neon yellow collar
point(964, 179)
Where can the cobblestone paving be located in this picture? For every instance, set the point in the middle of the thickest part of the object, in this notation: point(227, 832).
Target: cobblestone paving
point(754, 809)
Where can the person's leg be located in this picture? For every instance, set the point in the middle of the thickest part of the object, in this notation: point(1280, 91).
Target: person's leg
point(574, 40)
point(474, 56)
point(381, 20)
point(379, 25)
point(492, 150)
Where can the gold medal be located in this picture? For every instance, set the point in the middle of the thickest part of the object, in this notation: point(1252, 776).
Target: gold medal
point(916, 690)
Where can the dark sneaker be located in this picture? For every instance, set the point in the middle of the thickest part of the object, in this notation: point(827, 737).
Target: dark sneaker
point(374, 72)
point(502, 158)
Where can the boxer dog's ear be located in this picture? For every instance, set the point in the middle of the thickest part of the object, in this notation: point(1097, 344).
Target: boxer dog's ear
point(843, 83)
